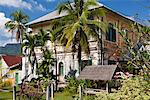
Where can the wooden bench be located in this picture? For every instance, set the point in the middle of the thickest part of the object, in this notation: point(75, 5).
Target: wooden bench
point(93, 91)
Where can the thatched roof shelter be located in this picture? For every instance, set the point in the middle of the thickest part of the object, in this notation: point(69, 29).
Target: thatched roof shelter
point(100, 72)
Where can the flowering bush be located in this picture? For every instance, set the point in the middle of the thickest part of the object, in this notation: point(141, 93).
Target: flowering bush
point(136, 88)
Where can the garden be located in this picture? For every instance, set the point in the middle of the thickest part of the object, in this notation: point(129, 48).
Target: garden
point(73, 32)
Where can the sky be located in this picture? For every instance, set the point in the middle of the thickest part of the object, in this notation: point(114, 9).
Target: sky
point(37, 8)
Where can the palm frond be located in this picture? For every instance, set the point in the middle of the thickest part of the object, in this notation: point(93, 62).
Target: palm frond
point(101, 25)
point(84, 43)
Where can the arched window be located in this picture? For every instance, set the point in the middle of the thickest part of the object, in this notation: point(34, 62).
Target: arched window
point(111, 34)
point(61, 69)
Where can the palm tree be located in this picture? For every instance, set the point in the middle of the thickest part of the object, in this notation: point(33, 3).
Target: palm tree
point(54, 35)
point(42, 38)
point(80, 25)
point(34, 41)
point(30, 46)
point(17, 24)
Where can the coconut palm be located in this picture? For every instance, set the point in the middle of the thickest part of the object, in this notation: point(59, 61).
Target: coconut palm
point(30, 46)
point(54, 35)
point(17, 24)
point(42, 38)
point(33, 41)
point(80, 25)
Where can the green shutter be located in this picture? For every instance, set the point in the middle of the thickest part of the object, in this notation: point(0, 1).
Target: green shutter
point(90, 62)
point(17, 78)
point(62, 70)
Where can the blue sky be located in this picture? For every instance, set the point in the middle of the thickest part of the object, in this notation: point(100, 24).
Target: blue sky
point(37, 8)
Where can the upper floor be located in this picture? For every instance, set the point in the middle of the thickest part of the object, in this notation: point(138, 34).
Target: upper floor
point(111, 39)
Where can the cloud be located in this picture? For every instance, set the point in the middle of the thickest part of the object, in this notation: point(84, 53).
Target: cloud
point(37, 5)
point(5, 36)
point(30, 5)
point(50, 0)
point(16, 4)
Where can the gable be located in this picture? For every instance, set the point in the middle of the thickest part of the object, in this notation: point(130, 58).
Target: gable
point(12, 60)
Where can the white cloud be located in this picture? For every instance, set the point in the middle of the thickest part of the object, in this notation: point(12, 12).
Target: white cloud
point(30, 5)
point(38, 6)
point(50, 0)
point(5, 36)
point(16, 3)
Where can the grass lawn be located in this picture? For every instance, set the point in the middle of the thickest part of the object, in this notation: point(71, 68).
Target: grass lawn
point(62, 96)
point(5, 95)
point(58, 96)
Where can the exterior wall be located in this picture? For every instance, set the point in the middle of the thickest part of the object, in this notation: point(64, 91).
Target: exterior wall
point(65, 56)
point(4, 68)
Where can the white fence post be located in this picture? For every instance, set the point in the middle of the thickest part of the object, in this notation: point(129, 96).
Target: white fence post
point(14, 92)
point(47, 93)
point(52, 91)
point(107, 87)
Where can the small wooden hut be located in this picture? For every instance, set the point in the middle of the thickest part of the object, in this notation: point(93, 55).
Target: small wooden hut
point(102, 73)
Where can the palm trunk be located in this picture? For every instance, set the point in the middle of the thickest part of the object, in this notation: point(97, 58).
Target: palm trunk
point(80, 32)
point(73, 60)
point(79, 58)
point(56, 64)
point(102, 56)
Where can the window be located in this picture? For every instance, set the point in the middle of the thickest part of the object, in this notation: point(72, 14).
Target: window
point(61, 69)
point(86, 63)
point(111, 34)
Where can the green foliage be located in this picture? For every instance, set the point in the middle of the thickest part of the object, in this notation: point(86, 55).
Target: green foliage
point(44, 68)
point(73, 85)
point(17, 24)
point(136, 88)
point(47, 60)
point(80, 24)
point(89, 97)
point(136, 51)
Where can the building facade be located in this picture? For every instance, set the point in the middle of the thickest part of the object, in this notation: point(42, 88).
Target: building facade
point(67, 60)
point(10, 68)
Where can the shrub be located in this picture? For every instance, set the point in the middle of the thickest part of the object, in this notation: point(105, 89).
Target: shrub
point(8, 83)
point(73, 85)
point(136, 88)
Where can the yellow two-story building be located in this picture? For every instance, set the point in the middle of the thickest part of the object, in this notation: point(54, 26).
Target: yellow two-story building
point(111, 41)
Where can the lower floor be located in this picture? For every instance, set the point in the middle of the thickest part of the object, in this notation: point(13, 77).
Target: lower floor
point(67, 63)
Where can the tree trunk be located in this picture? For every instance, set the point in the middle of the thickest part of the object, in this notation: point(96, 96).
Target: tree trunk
point(79, 57)
point(56, 64)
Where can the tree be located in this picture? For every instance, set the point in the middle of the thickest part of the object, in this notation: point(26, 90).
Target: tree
point(17, 24)
point(80, 25)
point(135, 88)
point(137, 54)
point(42, 65)
point(33, 41)
point(54, 35)
point(42, 38)
point(29, 49)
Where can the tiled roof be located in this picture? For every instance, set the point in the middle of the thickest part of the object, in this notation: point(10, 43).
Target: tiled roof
point(100, 72)
point(55, 14)
point(12, 60)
